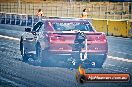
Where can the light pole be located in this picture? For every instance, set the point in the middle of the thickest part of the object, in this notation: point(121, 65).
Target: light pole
point(122, 10)
point(19, 3)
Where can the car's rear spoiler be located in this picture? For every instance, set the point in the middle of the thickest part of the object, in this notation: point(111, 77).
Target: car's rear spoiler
point(74, 32)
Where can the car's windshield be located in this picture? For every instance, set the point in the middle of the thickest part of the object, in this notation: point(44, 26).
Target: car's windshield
point(68, 26)
point(37, 26)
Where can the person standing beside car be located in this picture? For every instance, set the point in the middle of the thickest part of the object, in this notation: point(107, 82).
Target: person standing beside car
point(84, 14)
point(39, 14)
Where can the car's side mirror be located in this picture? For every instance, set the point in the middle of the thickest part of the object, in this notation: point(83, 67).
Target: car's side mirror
point(27, 29)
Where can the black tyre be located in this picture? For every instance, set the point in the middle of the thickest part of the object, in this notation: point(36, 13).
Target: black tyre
point(46, 58)
point(97, 61)
point(21, 45)
point(24, 55)
point(38, 56)
point(42, 56)
point(45, 54)
point(101, 61)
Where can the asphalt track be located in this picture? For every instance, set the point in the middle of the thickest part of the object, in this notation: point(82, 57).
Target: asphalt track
point(15, 73)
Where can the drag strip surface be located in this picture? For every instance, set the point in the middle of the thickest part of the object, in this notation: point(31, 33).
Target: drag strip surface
point(14, 72)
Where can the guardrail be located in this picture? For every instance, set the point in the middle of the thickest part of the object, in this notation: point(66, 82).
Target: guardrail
point(121, 28)
point(18, 19)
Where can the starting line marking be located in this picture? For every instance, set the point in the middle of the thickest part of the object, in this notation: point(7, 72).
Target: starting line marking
point(120, 59)
point(12, 38)
point(110, 57)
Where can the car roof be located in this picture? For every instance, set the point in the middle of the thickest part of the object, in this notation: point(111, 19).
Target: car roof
point(65, 20)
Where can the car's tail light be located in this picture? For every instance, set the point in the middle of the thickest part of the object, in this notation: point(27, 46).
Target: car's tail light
point(101, 38)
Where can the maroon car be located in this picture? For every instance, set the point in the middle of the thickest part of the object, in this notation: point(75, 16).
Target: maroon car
point(75, 39)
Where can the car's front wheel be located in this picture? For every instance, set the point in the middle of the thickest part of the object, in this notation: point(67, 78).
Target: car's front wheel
point(24, 55)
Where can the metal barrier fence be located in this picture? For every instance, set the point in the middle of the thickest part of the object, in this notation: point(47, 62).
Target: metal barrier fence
point(18, 19)
point(104, 10)
point(122, 28)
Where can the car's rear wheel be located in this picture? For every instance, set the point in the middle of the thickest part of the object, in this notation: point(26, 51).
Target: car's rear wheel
point(45, 55)
point(38, 57)
point(101, 61)
point(42, 56)
point(25, 58)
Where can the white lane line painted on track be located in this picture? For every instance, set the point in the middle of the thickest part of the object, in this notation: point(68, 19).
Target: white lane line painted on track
point(120, 59)
point(117, 66)
point(8, 37)
point(114, 70)
point(118, 37)
point(110, 57)
point(120, 52)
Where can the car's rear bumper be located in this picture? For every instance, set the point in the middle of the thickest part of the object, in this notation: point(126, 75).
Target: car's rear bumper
point(94, 59)
point(69, 52)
